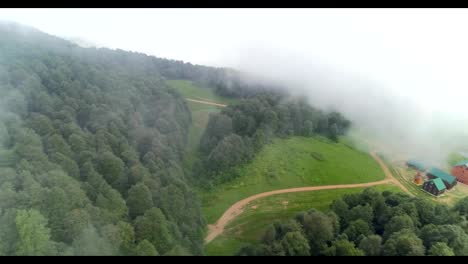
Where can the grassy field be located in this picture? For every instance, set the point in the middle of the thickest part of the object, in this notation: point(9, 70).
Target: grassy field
point(190, 90)
point(200, 112)
point(251, 224)
point(293, 162)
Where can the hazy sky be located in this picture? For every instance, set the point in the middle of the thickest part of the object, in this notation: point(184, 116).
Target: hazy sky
point(405, 66)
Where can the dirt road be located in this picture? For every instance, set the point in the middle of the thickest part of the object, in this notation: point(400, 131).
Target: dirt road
point(388, 174)
point(205, 102)
point(237, 208)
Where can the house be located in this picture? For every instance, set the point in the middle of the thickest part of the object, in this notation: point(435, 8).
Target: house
point(435, 186)
point(449, 180)
point(415, 165)
point(460, 170)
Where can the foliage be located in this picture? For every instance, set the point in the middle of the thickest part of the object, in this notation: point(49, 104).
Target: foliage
point(95, 139)
point(391, 231)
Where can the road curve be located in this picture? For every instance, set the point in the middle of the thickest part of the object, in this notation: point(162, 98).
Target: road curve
point(388, 174)
point(237, 208)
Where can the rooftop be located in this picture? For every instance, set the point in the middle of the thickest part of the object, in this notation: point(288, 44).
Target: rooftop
point(439, 184)
point(416, 164)
point(462, 163)
point(443, 175)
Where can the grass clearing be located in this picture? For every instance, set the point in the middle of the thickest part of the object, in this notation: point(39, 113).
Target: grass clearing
point(200, 112)
point(258, 215)
point(292, 162)
point(191, 90)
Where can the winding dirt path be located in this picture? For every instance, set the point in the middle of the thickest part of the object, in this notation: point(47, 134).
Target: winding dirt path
point(388, 174)
point(237, 208)
point(205, 102)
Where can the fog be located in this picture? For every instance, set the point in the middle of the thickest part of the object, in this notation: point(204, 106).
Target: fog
point(398, 74)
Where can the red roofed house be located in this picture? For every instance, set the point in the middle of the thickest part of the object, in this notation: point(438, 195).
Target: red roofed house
point(460, 170)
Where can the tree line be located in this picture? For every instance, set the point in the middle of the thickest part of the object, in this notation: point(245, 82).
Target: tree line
point(234, 135)
point(94, 140)
point(370, 223)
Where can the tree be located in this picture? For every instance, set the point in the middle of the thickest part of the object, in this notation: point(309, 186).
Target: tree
point(343, 247)
point(295, 244)
point(440, 249)
point(41, 124)
point(145, 248)
point(363, 212)
point(462, 206)
point(250, 250)
point(75, 222)
point(56, 206)
point(8, 232)
point(90, 243)
point(219, 126)
point(425, 211)
point(398, 223)
point(318, 229)
point(56, 144)
point(136, 173)
point(33, 234)
point(77, 143)
point(154, 227)
point(371, 245)
point(229, 152)
point(308, 128)
point(357, 228)
point(112, 203)
point(403, 243)
point(341, 209)
point(111, 167)
point(67, 164)
point(139, 200)
point(334, 132)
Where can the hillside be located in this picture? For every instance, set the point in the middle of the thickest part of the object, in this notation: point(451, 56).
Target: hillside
point(249, 227)
point(95, 140)
point(292, 162)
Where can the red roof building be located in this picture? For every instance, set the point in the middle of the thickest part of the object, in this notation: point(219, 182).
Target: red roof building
point(460, 170)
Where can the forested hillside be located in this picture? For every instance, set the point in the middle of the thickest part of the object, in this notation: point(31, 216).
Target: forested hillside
point(370, 223)
point(233, 136)
point(91, 144)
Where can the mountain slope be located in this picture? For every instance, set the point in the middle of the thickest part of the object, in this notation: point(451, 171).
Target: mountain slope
point(98, 139)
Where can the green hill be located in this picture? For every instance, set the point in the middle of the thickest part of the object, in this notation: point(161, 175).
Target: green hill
point(293, 162)
point(252, 223)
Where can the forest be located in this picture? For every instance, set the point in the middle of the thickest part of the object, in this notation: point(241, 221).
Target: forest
point(370, 223)
point(233, 136)
point(91, 144)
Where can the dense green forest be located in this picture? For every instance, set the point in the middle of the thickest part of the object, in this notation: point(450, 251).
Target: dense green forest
point(91, 144)
point(233, 136)
point(370, 223)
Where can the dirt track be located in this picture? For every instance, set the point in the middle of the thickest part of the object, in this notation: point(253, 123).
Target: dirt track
point(205, 102)
point(237, 208)
point(388, 174)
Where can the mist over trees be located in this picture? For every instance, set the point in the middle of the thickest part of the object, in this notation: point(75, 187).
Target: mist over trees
point(92, 141)
point(369, 223)
point(91, 144)
point(233, 136)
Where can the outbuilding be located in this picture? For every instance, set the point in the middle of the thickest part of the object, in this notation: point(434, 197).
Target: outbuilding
point(460, 171)
point(435, 186)
point(416, 165)
point(448, 180)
